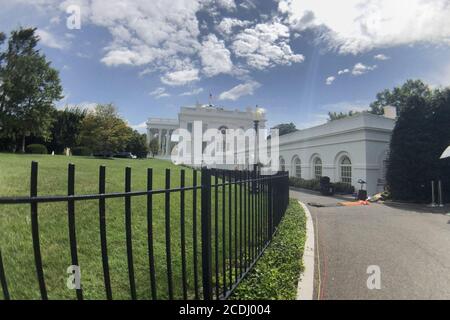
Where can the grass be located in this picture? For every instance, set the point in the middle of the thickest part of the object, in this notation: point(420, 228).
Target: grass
point(276, 274)
point(15, 228)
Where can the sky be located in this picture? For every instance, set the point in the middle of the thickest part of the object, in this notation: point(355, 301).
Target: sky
point(298, 59)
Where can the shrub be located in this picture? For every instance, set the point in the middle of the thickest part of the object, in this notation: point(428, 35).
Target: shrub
point(343, 188)
point(36, 149)
point(275, 276)
point(313, 184)
point(81, 151)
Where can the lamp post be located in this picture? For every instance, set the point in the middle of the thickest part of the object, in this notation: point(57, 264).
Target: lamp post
point(258, 115)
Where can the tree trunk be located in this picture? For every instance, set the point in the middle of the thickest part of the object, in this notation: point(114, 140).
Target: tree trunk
point(23, 143)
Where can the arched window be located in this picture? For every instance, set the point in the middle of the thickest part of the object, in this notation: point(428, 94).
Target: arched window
point(317, 168)
point(297, 167)
point(346, 170)
point(282, 164)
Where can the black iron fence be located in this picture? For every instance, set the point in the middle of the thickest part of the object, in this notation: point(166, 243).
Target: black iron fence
point(234, 215)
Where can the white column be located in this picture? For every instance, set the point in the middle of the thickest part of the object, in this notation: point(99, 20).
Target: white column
point(149, 135)
point(159, 140)
point(167, 142)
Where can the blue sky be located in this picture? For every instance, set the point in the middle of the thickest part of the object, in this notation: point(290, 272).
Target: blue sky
point(298, 59)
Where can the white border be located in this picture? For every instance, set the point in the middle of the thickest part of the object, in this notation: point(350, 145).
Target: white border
point(305, 289)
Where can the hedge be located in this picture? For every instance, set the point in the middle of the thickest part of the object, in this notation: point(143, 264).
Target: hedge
point(314, 184)
point(275, 276)
point(305, 184)
point(36, 149)
point(81, 151)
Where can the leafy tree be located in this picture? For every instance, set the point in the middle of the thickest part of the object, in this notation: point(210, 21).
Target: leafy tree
point(66, 129)
point(410, 164)
point(285, 128)
point(420, 136)
point(440, 128)
point(398, 96)
point(137, 144)
point(29, 89)
point(154, 147)
point(341, 115)
point(103, 130)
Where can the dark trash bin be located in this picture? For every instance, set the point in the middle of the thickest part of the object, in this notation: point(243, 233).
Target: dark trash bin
point(326, 188)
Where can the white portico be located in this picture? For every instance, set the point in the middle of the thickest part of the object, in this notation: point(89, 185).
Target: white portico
point(162, 130)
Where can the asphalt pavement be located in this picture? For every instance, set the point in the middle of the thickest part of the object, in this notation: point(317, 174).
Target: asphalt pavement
point(409, 245)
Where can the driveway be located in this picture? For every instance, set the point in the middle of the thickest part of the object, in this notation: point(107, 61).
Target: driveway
point(410, 245)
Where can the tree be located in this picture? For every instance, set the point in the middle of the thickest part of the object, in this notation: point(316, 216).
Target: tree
point(65, 132)
point(341, 115)
point(410, 168)
point(398, 97)
point(154, 147)
point(420, 136)
point(29, 89)
point(285, 128)
point(103, 131)
point(137, 144)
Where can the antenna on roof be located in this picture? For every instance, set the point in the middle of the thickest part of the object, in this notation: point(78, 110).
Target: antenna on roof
point(210, 99)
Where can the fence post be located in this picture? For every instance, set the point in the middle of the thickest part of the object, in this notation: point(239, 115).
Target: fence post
point(270, 211)
point(206, 234)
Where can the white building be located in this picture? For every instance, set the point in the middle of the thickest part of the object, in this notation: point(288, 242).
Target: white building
point(345, 150)
point(212, 117)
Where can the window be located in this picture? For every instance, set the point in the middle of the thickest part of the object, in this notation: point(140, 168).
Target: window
point(346, 170)
point(189, 127)
point(282, 165)
point(317, 168)
point(298, 167)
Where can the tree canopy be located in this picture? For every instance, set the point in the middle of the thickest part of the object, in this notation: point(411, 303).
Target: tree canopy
point(65, 132)
point(421, 134)
point(286, 128)
point(398, 96)
point(29, 87)
point(341, 115)
point(103, 130)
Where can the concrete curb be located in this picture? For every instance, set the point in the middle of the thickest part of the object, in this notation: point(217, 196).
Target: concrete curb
point(305, 289)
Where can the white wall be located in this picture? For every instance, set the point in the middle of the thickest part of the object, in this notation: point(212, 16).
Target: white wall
point(364, 139)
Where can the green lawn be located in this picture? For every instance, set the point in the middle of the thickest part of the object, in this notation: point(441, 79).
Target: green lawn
point(15, 228)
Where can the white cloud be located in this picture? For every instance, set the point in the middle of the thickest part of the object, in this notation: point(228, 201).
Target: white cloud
point(180, 78)
point(140, 126)
point(265, 45)
point(239, 91)
point(144, 32)
point(329, 81)
point(381, 57)
point(49, 40)
point(228, 25)
point(355, 26)
point(193, 92)
point(344, 71)
point(216, 59)
point(360, 69)
point(229, 5)
point(159, 93)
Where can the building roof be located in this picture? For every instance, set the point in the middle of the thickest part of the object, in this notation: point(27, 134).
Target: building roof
point(364, 120)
